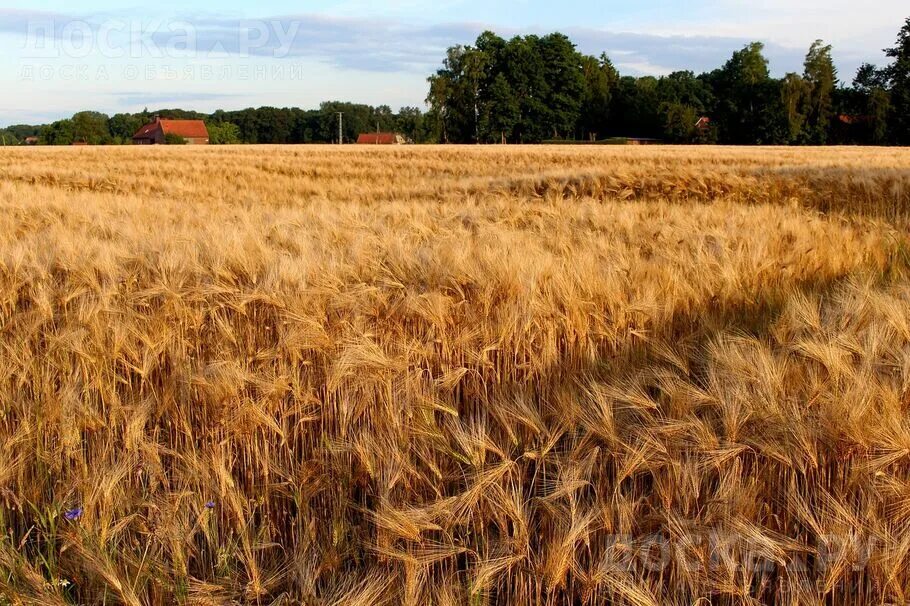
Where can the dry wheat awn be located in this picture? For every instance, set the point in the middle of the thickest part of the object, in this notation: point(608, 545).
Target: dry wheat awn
point(433, 376)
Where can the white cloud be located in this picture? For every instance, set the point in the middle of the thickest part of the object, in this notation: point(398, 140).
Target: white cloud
point(387, 60)
point(854, 28)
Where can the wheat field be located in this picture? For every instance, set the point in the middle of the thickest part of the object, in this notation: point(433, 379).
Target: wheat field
point(444, 376)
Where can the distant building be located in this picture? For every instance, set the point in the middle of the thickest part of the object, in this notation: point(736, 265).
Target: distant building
point(193, 132)
point(381, 139)
point(31, 140)
point(641, 141)
point(851, 119)
point(705, 131)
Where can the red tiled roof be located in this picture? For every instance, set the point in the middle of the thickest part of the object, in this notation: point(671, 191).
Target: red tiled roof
point(378, 138)
point(853, 119)
point(188, 129)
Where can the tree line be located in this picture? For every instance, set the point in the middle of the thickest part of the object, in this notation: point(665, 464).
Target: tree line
point(532, 89)
point(253, 125)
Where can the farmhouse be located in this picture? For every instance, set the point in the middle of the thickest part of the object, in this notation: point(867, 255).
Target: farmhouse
point(31, 140)
point(193, 132)
point(381, 139)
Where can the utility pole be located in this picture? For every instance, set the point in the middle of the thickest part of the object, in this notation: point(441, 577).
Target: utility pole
point(340, 128)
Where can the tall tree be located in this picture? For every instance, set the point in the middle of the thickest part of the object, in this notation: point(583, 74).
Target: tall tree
point(869, 77)
point(899, 77)
point(566, 85)
point(439, 100)
point(527, 89)
point(636, 108)
point(524, 70)
point(62, 132)
point(474, 74)
point(873, 103)
point(600, 80)
point(411, 123)
point(749, 66)
point(91, 127)
point(495, 110)
point(745, 97)
point(679, 122)
point(683, 99)
point(879, 109)
point(795, 92)
point(821, 76)
point(124, 126)
point(504, 111)
point(455, 93)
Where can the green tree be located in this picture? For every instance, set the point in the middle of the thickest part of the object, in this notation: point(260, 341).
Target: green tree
point(384, 118)
point(62, 132)
point(455, 93)
point(91, 127)
point(8, 137)
point(475, 63)
point(601, 80)
point(749, 66)
point(357, 118)
point(684, 87)
point(522, 65)
point(412, 124)
point(821, 76)
point(899, 79)
point(273, 125)
point(566, 85)
point(869, 77)
point(872, 101)
point(682, 99)
point(504, 110)
point(495, 102)
point(21, 131)
point(527, 89)
point(878, 110)
point(635, 111)
point(749, 109)
point(439, 102)
point(223, 133)
point(679, 122)
point(795, 92)
point(124, 126)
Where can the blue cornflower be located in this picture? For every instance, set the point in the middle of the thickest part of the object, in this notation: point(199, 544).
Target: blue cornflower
point(210, 505)
point(73, 514)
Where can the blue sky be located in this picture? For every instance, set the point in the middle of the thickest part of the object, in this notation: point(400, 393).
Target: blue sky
point(62, 57)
